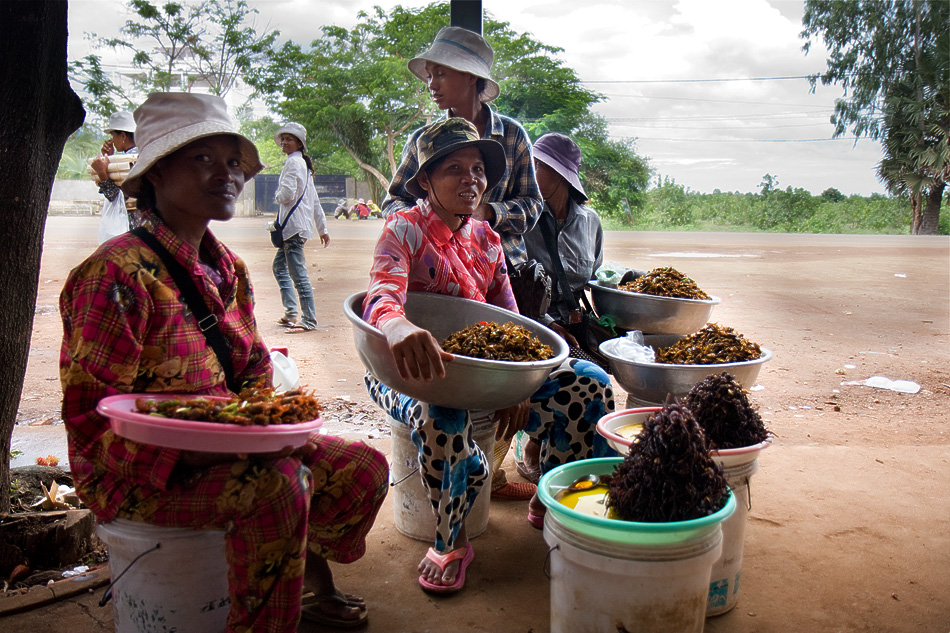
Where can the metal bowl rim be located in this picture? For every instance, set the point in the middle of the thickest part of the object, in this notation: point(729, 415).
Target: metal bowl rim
point(459, 359)
point(766, 356)
point(712, 300)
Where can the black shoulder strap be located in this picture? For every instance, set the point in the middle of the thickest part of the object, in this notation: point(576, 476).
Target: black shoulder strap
point(292, 209)
point(551, 241)
point(207, 322)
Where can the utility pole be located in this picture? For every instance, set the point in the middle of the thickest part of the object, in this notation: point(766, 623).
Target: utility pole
point(467, 14)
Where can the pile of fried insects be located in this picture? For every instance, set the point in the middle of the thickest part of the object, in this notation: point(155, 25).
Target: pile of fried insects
point(668, 474)
point(666, 282)
point(711, 345)
point(722, 408)
point(257, 405)
point(489, 341)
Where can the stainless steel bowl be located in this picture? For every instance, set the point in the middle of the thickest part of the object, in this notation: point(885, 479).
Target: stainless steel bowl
point(469, 383)
point(651, 314)
point(651, 383)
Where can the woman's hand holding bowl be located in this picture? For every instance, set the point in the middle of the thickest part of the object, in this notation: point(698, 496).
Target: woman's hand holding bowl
point(512, 420)
point(416, 351)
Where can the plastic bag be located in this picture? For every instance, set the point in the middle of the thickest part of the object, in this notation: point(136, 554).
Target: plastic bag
point(609, 274)
point(286, 375)
point(115, 218)
point(631, 348)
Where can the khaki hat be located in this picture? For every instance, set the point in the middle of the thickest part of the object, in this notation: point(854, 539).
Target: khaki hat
point(562, 155)
point(168, 121)
point(120, 122)
point(448, 136)
point(294, 129)
point(462, 50)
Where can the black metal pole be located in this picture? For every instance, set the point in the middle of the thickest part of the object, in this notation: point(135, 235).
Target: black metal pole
point(467, 14)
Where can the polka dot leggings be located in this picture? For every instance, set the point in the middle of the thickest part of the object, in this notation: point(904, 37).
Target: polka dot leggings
point(563, 418)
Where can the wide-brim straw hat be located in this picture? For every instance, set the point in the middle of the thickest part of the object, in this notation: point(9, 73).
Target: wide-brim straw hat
point(561, 154)
point(448, 136)
point(462, 50)
point(294, 129)
point(120, 122)
point(168, 121)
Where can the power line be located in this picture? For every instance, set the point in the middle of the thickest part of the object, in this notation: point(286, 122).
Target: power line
point(723, 117)
point(767, 103)
point(737, 140)
point(689, 81)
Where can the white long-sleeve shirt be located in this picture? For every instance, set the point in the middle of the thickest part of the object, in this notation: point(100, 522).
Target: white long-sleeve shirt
point(295, 180)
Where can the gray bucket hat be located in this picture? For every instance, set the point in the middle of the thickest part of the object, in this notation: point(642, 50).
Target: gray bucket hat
point(168, 121)
point(450, 135)
point(121, 121)
point(562, 155)
point(294, 129)
point(462, 50)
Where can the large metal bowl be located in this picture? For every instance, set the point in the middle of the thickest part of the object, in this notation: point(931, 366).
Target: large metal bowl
point(651, 314)
point(469, 383)
point(651, 383)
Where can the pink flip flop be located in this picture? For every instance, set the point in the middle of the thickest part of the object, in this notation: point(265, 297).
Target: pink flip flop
point(467, 554)
point(536, 520)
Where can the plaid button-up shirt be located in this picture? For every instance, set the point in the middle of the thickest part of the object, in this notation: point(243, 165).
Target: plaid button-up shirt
point(516, 199)
point(126, 330)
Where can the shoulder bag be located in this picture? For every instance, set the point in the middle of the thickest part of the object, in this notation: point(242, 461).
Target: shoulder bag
point(277, 233)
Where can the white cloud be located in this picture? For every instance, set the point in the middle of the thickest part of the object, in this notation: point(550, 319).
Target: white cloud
point(706, 135)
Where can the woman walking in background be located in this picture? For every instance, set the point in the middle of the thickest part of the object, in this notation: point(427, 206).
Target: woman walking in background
point(300, 214)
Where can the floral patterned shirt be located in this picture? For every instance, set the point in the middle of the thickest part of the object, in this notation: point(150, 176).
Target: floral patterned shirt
point(417, 251)
point(126, 329)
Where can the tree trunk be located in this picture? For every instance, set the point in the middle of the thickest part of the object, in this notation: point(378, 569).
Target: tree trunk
point(931, 214)
point(39, 111)
point(915, 212)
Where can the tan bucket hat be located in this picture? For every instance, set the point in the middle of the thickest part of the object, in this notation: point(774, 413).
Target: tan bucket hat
point(450, 135)
point(168, 121)
point(462, 50)
point(294, 129)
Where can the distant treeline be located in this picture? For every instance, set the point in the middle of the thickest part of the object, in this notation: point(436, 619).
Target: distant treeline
point(673, 207)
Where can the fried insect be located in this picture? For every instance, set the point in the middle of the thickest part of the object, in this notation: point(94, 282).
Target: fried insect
point(490, 341)
point(258, 406)
point(666, 282)
point(722, 408)
point(709, 346)
point(668, 474)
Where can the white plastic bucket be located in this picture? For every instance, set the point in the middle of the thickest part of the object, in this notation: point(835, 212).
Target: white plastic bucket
point(411, 506)
point(599, 585)
point(181, 586)
point(726, 572)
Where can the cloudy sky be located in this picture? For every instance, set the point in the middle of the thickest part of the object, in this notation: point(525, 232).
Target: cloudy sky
point(708, 89)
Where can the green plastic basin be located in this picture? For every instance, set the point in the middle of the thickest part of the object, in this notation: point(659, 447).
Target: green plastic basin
point(616, 530)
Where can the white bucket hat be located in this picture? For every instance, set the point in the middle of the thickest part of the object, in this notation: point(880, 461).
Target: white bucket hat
point(294, 129)
point(120, 122)
point(462, 50)
point(168, 121)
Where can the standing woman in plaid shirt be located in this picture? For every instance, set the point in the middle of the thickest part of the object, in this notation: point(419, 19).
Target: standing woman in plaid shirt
point(127, 329)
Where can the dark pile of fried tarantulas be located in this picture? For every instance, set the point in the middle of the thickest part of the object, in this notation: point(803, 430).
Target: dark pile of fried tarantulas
point(722, 408)
point(668, 474)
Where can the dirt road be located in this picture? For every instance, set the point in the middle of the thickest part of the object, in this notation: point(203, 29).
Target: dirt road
point(850, 524)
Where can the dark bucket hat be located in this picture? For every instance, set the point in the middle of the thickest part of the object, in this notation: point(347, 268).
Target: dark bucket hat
point(561, 154)
point(448, 136)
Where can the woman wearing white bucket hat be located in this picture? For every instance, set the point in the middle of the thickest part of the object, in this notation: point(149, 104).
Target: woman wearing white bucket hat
point(116, 214)
point(456, 71)
point(300, 217)
point(130, 326)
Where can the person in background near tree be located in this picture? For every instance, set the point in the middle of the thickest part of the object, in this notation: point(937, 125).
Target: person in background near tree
point(374, 210)
point(456, 69)
point(126, 330)
point(360, 210)
point(118, 214)
point(296, 187)
point(341, 209)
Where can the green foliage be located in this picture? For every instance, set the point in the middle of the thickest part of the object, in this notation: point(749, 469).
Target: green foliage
point(670, 206)
point(892, 59)
point(81, 145)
